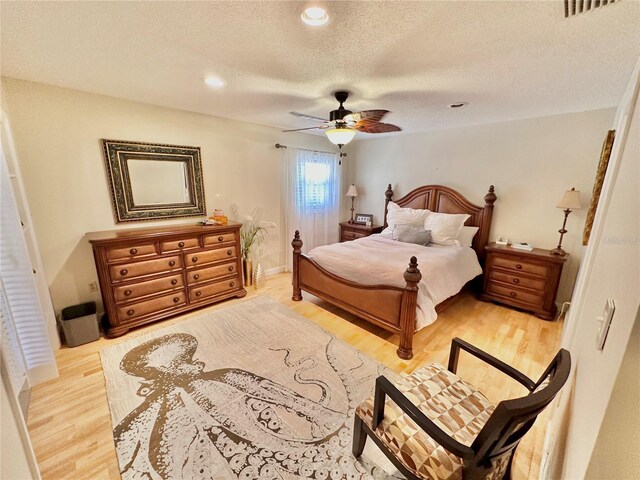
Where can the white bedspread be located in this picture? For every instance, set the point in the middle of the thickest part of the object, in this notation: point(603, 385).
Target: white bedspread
point(378, 259)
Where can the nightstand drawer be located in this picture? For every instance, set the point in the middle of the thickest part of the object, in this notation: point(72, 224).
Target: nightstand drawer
point(517, 280)
point(351, 235)
point(516, 294)
point(520, 265)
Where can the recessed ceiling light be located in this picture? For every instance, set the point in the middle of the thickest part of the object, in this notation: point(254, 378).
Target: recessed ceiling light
point(215, 82)
point(315, 16)
point(458, 105)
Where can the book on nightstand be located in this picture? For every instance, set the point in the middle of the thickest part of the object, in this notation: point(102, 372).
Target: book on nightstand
point(522, 246)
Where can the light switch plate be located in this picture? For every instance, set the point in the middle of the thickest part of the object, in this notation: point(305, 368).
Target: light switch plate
point(606, 318)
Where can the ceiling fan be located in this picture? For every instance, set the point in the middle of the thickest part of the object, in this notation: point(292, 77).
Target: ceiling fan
point(343, 124)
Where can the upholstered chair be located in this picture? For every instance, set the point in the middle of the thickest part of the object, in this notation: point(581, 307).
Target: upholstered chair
point(434, 425)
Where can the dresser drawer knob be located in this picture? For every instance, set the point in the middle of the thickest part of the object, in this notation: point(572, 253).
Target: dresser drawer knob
point(229, 252)
point(124, 271)
point(133, 251)
point(513, 294)
point(198, 294)
point(220, 238)
point(127, 293)
point(174, 281)
point(516, 280)
point(194, 259)
point(518, 266)
point(231, 268)
point(196, 276)
point(130, 312)
point(180, 244)
point(172, 263)
point(232, 284)
point(176, 299)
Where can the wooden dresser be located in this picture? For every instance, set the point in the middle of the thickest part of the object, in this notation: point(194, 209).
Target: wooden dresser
point(148, 274)
point(351, 231)
point(523, 279)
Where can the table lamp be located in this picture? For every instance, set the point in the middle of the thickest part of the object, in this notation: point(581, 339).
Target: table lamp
point(353, 193)
point(570, 201)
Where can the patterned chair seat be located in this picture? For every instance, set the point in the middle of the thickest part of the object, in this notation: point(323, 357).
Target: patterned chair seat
point(454, 405)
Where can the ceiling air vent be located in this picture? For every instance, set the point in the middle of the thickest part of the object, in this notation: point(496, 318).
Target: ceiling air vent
point(575, 7)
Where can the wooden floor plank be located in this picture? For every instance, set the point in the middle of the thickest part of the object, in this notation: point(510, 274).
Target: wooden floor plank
point(69, 420)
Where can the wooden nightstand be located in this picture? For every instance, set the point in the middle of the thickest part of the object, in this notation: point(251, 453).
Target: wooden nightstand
point(522, 279)
point(351, 231)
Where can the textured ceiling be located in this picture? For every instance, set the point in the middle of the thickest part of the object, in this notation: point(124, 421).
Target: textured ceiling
point(509, 60)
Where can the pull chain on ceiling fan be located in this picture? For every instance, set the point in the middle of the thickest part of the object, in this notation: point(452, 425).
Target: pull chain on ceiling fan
point(343, 124)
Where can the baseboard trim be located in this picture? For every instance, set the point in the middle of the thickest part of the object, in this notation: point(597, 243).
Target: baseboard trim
point(273, 271)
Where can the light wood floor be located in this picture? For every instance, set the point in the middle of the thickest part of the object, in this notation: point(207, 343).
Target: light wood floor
point(69, 420)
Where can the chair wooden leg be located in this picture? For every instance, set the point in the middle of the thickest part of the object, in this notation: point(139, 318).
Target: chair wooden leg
point(359, 436)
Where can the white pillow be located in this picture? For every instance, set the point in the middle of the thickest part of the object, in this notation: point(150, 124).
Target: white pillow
point(445, 227)
point(465, 237)
point(397, 215)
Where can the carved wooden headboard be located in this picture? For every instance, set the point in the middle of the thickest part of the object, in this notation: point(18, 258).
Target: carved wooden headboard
point(438, 198)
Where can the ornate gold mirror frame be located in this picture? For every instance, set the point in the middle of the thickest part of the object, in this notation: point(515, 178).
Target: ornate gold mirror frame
point(154, 181)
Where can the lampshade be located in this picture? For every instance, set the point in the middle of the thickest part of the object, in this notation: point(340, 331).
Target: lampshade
point(353, 191)
point(571, 200)
point(340, 135)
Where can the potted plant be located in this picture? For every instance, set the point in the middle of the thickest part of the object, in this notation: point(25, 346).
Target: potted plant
point(252, 233)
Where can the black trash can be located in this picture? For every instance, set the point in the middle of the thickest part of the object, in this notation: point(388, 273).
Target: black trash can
point(80, 324)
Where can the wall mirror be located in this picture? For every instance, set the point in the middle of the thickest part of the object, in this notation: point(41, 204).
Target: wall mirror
point(153, 181)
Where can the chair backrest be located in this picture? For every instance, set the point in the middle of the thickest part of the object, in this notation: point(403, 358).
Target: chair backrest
point(512, 419)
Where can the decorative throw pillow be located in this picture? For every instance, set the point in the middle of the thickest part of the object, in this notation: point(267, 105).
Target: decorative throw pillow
point(397, 215)
point(411, 234)
point(465, 237)
point(445, 227)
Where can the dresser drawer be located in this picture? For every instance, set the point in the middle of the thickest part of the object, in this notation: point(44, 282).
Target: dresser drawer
point(517, 280)
point(516, 294)
point(130, 252)
point(126, 293)
point(209, 256)
point(521, 265)
point(201, 292)
point(180, 244)
point(147, 267)
point(220, 238)
point(202, 275)
point(135, 310)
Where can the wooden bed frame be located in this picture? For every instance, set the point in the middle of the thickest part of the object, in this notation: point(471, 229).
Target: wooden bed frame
point(390, 307)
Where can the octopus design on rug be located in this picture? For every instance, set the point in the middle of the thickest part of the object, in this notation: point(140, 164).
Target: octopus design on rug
point(190, 419)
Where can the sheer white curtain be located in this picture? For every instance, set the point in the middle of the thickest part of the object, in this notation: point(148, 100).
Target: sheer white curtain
point(313, 198)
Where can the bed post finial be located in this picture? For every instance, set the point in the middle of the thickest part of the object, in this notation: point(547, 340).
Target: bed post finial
point(412, 276)
point(490, 197)
point(296, 243)
point(388, 195)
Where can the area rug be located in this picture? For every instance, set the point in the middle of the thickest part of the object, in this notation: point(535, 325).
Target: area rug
point(250, 391)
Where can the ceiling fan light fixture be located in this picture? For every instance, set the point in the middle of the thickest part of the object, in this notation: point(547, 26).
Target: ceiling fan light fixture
point(315, 16)
point(340, 135)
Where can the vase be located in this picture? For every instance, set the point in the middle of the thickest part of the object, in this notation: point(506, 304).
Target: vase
point(247, 271)
point(259, 278)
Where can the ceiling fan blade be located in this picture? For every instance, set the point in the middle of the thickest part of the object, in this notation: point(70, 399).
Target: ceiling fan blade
point(372, 115)
point(307, 128)
point(309, 117)
point(376, 127)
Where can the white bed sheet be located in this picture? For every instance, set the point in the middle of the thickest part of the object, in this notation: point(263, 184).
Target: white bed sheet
point(378, 259)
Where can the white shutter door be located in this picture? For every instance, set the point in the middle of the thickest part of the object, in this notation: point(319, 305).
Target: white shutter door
point(22, 314)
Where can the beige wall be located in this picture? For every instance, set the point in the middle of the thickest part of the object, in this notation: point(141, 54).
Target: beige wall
point(617, 450)
point(611, 271)
point(531, 163)
point(57, 134)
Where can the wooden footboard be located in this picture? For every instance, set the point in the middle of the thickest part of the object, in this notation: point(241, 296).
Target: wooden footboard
point(390, 307)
